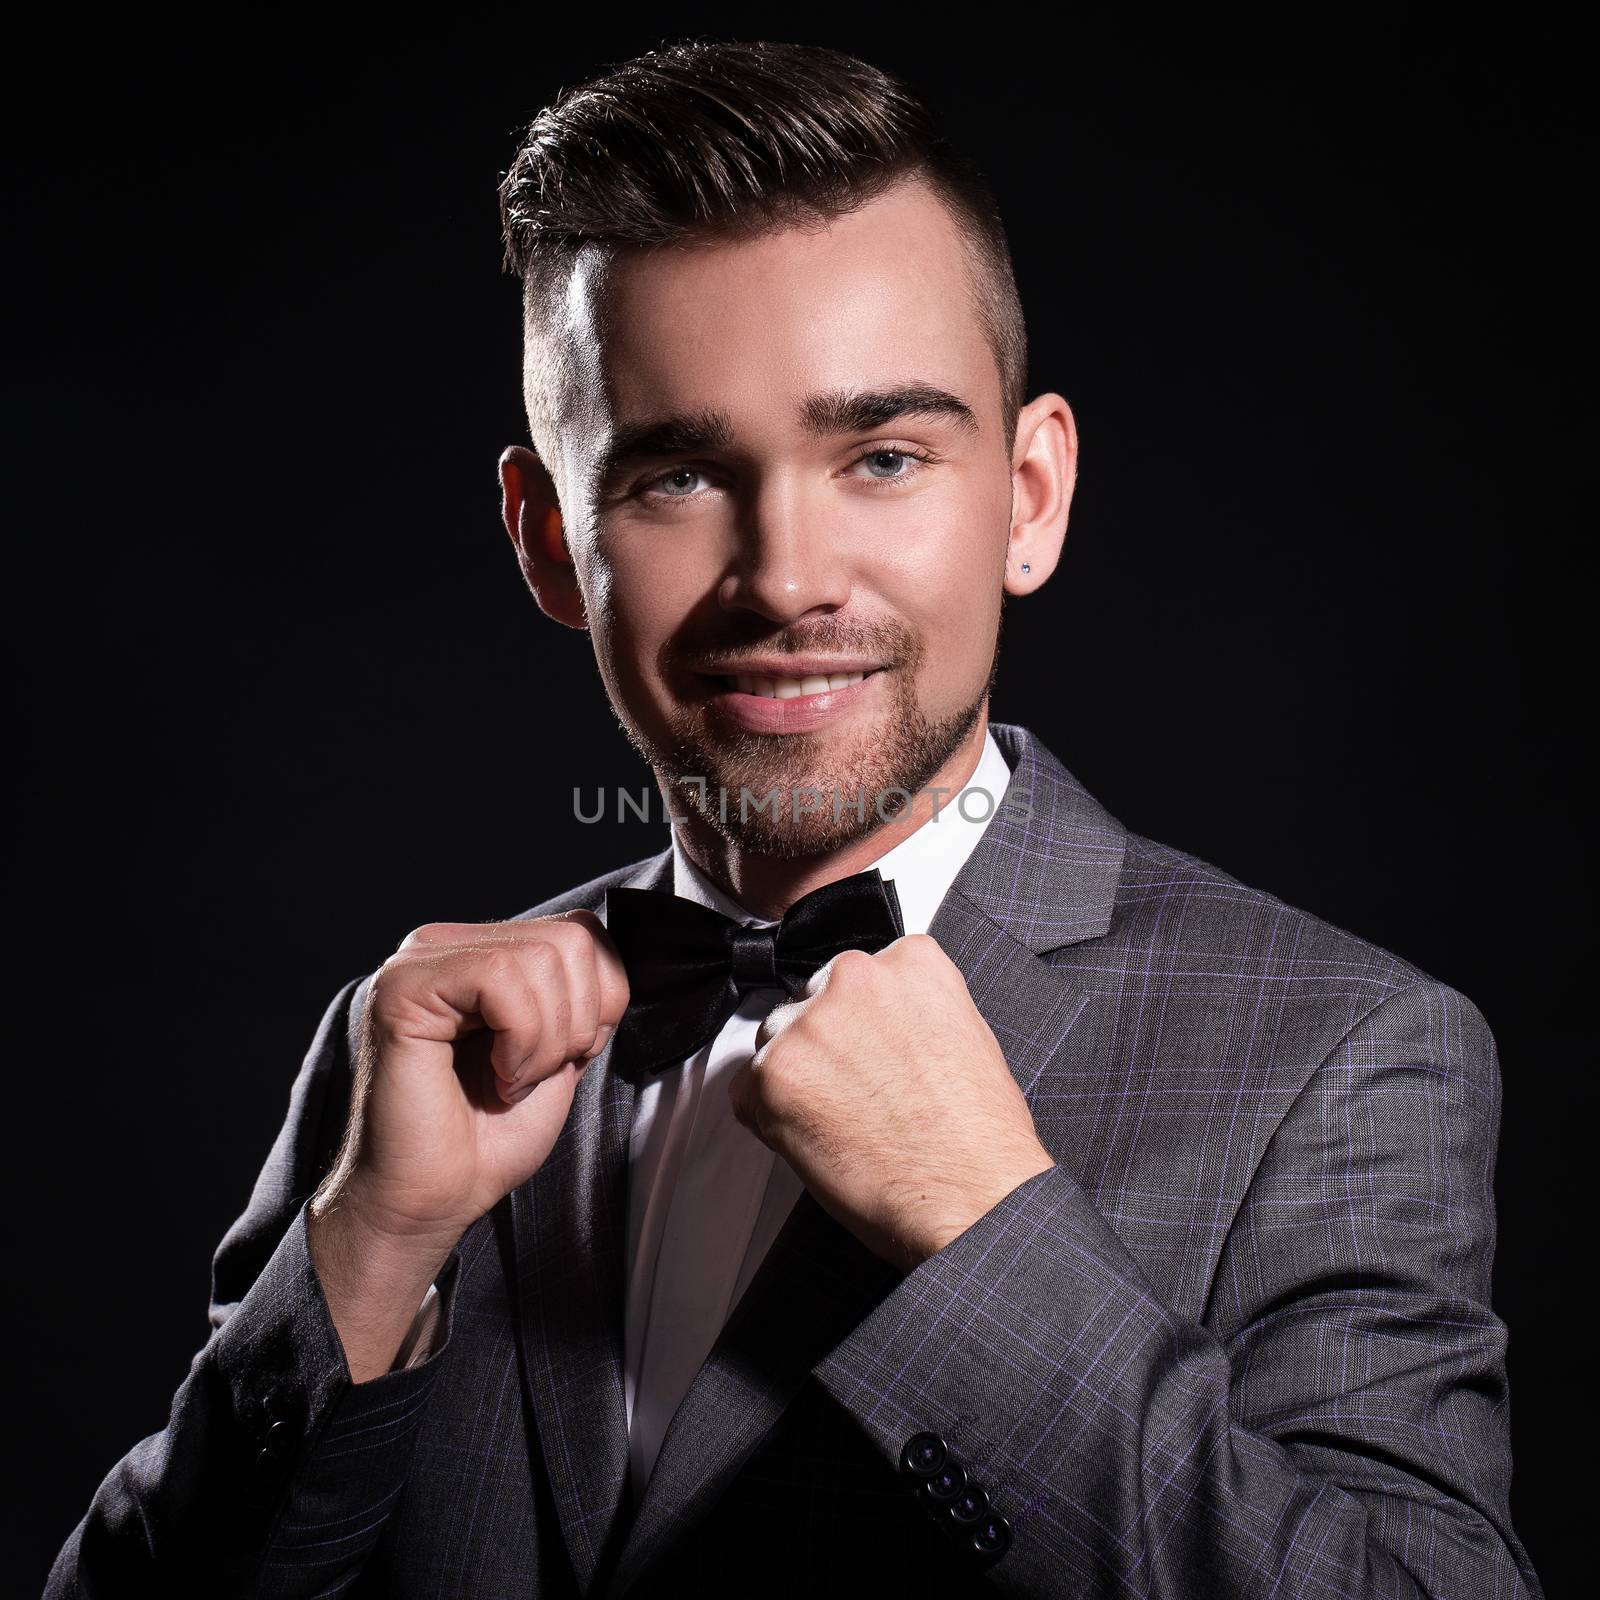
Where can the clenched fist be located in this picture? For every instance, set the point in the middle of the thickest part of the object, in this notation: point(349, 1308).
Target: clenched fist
point(472, 1041)
point(886, 1091)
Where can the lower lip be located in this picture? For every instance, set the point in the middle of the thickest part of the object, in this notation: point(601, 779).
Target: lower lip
point(757, 713)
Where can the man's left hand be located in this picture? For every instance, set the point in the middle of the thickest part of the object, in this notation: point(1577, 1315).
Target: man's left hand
point(890, 1097)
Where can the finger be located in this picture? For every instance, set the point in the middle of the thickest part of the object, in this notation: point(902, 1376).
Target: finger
point(518, 991)
point(612, 975)
point(574, 997)
point(575, 949)
point(594, 986)
point(546, 976)
point(825, 974)
point(445, 997)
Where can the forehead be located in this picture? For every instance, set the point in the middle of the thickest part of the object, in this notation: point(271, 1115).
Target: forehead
point(883, 295)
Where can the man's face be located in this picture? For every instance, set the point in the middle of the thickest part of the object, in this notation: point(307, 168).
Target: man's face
point(792, 583)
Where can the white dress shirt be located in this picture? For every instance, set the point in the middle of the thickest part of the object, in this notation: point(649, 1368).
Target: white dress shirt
point(706, 1198)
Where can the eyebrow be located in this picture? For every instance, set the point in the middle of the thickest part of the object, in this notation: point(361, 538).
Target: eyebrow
point(822, 416)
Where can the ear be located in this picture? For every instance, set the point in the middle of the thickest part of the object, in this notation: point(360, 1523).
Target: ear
point(531, 510)
point(1044, 468)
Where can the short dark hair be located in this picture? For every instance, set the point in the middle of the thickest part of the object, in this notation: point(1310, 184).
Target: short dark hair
point(701, 139)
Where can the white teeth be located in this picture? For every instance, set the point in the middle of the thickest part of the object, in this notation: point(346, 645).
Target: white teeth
point(793, 688)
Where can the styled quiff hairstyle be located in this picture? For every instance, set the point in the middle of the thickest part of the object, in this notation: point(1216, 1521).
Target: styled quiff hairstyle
point(699, 141)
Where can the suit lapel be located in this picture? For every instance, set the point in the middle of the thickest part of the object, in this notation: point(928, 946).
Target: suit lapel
point(818, 1282)
point(570, 1223)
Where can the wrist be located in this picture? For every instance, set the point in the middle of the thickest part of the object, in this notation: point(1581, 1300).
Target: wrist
point(970, 1205)
point(372, 1281)
point(347, 1207)
point(359, 1247)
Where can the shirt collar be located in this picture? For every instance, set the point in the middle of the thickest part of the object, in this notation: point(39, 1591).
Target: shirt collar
point(922, 866)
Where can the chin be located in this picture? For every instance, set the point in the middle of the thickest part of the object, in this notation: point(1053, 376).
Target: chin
point(807, 794)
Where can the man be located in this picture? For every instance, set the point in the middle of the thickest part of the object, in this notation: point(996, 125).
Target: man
point(910, 1179)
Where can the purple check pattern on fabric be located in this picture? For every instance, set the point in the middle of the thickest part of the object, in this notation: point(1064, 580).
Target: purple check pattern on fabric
point(1238, 1341)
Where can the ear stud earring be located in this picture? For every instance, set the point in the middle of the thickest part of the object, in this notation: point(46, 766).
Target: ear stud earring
point(1026, 567)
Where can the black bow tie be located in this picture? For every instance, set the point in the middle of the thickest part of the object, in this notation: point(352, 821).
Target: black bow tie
point(688, 966)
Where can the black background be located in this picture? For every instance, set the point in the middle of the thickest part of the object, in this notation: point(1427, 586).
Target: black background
point(1314, 289)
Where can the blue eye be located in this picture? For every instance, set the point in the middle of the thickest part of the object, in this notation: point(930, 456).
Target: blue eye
point(659, 484)
point(883, 466)
point(910, 462)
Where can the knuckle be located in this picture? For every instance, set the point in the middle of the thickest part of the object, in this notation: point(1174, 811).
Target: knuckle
point(569, 930)
point(544, 963)
point(397, 1003)
point(494, 961)
point(384, 986)
point(850, 965)
point(561, 933)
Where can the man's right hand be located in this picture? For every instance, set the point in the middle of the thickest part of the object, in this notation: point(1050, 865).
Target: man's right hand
point(472, 1043)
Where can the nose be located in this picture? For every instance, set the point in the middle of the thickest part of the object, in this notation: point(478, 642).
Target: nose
point(791, 560)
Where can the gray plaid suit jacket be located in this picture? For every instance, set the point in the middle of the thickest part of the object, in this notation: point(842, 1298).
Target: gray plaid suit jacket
point(1237, 1342)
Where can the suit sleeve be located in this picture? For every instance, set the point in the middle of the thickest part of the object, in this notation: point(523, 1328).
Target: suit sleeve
point(275, 1473)
point(1338, 1423)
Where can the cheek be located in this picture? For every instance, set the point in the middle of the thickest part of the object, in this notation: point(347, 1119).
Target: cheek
point(948, 543)
point(613, 626)
point(961, 646)
point(947, 579)
point(638, 594)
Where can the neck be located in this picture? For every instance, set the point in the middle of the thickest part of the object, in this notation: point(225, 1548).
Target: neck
point(769, 885)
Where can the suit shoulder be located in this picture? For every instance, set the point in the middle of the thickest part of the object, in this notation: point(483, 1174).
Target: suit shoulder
point(1294, 985)
point(1198, 902)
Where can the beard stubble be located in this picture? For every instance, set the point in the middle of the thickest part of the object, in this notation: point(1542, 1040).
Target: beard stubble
point(820, 798)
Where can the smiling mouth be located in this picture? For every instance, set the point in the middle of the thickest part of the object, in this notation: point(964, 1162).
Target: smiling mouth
point(791, 688)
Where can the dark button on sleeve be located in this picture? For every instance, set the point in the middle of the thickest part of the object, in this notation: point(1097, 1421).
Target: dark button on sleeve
point(945, 1486)
point(924, 1455)
point(281, 1440)
point(272, 1462)
point(968, 1508)
point(991, 1538)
